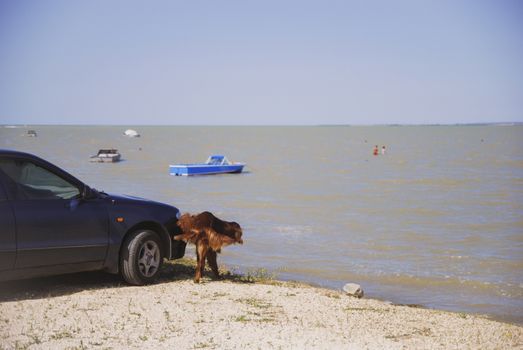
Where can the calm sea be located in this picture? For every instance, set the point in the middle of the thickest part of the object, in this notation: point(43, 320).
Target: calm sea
point(435, 221)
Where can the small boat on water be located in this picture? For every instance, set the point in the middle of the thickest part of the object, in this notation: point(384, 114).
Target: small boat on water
point(31, 133)
point(110, 155)
point(215, 164)
point(131, 133)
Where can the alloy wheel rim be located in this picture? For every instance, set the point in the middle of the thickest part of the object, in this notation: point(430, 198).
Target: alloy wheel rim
point(149, 258)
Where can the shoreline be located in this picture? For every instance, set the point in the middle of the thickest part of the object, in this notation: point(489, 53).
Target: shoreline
point(389, 257)
point(96, 310)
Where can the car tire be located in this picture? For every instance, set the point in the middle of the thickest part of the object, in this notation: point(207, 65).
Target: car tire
point(141, 257)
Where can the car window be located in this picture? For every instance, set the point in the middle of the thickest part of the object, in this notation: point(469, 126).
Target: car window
point(35, 182)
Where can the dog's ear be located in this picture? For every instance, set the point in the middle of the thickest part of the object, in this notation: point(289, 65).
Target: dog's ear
point(218, 225)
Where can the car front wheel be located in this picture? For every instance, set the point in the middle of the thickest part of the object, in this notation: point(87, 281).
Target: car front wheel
point(141, 257)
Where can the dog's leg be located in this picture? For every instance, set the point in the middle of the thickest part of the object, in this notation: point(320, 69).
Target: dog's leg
point(201, 253)
point(197, 255)
point(211, 258)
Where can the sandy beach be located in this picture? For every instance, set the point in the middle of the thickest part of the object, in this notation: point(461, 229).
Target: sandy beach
point(98, 311)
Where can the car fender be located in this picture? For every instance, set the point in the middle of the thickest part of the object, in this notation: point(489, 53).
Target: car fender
point(127, 216)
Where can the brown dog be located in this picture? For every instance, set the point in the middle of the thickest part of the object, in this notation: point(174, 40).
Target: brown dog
point(209, 234)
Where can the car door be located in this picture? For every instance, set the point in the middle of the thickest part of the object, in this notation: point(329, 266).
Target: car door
point(54, 224)
point(7, 232)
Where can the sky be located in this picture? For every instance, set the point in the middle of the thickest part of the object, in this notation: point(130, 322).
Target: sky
point(266, 62)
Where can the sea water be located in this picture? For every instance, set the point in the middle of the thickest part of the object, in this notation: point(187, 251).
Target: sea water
point(436, 220)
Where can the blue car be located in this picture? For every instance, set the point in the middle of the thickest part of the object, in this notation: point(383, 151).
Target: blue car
point(52, 223)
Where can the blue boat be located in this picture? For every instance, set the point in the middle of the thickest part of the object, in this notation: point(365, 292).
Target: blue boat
point(215, 164)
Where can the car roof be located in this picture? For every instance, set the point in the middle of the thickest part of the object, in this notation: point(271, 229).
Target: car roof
point(10, 152)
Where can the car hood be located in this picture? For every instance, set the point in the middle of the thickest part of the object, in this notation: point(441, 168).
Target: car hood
point(128, 199)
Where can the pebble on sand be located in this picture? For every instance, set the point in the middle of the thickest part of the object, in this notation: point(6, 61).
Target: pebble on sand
point(353, 289)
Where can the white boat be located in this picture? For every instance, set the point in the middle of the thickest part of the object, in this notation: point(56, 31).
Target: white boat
point(110, 155)
point(131, 133)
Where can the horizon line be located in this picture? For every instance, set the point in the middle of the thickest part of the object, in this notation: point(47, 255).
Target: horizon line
point(507, 123)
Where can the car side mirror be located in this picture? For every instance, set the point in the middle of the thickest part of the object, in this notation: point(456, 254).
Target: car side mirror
point(89, 193)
